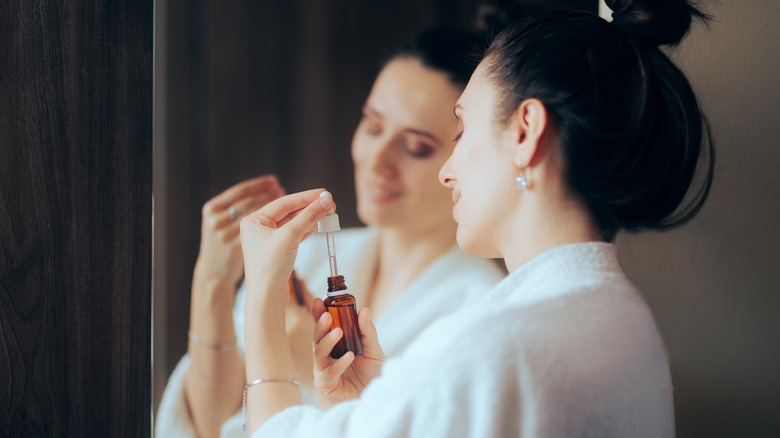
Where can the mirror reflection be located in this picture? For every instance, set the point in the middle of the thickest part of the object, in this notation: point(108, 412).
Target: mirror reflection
point(255, 102)
point(252, 90)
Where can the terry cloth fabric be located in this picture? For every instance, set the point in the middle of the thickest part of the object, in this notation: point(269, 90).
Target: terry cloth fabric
point(565, 346)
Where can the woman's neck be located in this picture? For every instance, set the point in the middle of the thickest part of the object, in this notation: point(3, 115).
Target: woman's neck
point(550, 226)
point(401, 257)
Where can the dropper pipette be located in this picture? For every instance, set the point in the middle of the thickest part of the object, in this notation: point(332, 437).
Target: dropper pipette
point(334, 271)
point(328, 225)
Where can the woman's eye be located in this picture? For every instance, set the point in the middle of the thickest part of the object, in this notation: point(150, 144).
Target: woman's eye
point(419, 150)
point(372, 127)
point(457, 137)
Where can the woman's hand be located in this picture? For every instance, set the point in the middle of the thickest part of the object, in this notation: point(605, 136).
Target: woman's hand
point(269, 240)
point(271, 235)
point(344, 378)
point(220, 260)
point(215, 378)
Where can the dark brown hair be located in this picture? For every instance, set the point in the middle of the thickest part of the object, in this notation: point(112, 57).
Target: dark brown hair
point(631, 130)
point(454, 52)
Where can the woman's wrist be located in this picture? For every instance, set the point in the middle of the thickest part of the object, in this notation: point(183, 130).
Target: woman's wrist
point(266, 294)
point(207, 272)
point(265, 315)
point(213, 292)
point(211, 312)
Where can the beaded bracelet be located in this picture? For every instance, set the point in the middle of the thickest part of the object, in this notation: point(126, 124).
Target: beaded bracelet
point(219, 347)
point(257, 382)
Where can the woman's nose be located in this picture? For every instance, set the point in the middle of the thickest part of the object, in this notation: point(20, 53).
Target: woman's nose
point(445, 174)
point(383, 157)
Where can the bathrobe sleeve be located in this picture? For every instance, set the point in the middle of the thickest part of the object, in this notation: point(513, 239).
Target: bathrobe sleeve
point(433, 390)
point(587, 364)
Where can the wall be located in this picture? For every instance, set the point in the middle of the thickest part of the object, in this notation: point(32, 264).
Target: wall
point(714, 285)
point(75, 218)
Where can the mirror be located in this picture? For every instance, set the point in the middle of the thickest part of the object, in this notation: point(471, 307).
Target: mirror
point(253, 88)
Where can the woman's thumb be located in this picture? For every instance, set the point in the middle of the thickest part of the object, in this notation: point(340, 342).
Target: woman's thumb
point(369, 338)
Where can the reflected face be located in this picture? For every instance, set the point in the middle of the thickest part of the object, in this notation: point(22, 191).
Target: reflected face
point(399, 146)
point(481, 171)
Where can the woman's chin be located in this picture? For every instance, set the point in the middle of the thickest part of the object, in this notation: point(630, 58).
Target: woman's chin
point(378, 216)
point(474, 246)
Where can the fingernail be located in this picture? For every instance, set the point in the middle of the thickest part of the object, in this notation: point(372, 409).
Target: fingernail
point(326, 200)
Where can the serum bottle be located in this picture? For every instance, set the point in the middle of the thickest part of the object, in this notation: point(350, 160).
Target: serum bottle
point(339, 303)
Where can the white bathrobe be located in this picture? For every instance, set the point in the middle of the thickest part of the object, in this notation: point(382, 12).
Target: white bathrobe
point(565, 346)
point(453, 280)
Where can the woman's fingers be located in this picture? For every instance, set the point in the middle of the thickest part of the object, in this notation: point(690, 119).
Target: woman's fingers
point(307, 207)
point(321, 329)
point(243, 189)
point(368, 336)
point(251, 203)
point(317, 309)
point(305, 222)
point(329, 378)
point(367, 328)
point(246, 206)
point(224, 212)
point(290, 204)
point(328, 372)
point(324, 339)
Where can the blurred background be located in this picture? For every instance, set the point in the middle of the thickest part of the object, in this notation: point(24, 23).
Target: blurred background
point(245, 88)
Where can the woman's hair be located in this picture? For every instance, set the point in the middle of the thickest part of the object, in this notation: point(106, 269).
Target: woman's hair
point(454, 52)
point(631, 130)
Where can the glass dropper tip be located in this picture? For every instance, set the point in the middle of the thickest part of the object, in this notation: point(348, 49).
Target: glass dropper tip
point(334, 271)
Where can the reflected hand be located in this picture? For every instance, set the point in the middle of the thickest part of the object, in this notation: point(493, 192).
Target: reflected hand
point(220, 257)
point(344, 378)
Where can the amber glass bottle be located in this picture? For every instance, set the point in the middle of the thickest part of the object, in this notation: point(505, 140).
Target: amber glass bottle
point(341, 306)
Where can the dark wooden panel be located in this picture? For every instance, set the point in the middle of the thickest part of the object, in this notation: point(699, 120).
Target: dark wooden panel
point(75, 209)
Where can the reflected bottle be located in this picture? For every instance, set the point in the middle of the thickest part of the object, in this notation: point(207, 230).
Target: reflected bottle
point(341, 306)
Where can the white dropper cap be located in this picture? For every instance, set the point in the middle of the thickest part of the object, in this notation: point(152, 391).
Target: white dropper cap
point(329, 223)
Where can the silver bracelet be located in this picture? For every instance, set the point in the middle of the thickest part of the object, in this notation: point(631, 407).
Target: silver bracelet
point(257, 382)
point(219, 347)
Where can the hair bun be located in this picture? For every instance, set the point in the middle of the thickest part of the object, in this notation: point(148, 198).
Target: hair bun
point(656, 22)
point(493, 16)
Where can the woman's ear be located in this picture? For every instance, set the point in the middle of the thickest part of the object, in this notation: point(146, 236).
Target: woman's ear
point(529, 122)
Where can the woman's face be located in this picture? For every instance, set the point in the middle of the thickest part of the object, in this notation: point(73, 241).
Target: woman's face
point(481, 171)
point(399, 146)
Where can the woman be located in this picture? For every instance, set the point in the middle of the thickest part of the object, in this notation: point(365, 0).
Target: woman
point(405, 266)
point(555, 155)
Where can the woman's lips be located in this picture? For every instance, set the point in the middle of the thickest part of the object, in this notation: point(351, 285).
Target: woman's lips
point(455, 196)
point(382, 194)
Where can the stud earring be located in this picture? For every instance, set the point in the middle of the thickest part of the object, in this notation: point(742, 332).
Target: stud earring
point(521, 183)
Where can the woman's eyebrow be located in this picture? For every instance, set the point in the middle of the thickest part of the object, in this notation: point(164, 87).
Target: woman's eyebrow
point(372, 111)
point(414, 131)
point(425, 134)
